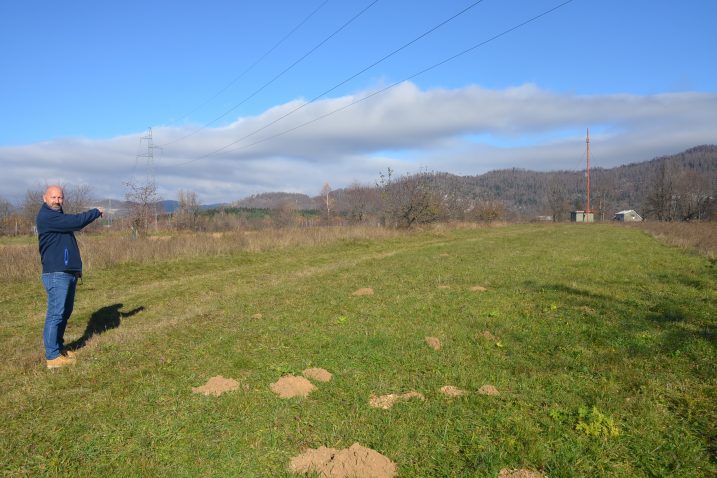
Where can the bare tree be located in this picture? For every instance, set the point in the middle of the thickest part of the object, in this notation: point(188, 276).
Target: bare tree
point(359, 201)
point(660, 198)
point(187, 213)
point(78, 198)
point(692, 195)
point(143, 205)
point(6, 216)
point(327, 201)
point(557, 200)
point(286, 214)
point(603, 195)
point(410, 200)
point(384, 185)
point(29, 208)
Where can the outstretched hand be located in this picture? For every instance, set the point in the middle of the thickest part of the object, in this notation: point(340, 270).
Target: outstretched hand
point(101, 210)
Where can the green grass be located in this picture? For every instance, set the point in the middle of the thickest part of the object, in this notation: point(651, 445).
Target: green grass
point(605, 366)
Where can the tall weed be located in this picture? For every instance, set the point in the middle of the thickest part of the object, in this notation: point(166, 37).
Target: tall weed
point(22, 261)
point(699, 236)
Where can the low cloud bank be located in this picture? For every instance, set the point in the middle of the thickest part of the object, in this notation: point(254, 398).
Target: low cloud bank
point(469, 130)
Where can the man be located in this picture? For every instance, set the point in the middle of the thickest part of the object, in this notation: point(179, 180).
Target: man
point(61, 267)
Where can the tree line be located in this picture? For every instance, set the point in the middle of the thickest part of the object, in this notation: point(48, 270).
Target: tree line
point(680, 187)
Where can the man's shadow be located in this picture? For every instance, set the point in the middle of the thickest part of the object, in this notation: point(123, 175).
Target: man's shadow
point(100, 321)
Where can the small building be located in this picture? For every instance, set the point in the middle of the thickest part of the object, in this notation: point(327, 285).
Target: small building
point(627, 216)
point(581, 216)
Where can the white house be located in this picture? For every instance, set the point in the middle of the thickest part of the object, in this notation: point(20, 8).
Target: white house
point(627, 216)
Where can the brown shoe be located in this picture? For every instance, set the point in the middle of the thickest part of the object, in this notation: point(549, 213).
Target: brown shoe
point(60, 361)
point(68, 353)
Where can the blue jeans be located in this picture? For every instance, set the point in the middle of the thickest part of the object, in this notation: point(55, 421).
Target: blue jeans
point(60, 287)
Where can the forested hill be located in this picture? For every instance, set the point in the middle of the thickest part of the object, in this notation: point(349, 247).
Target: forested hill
point(276, 200)
point(623, 187)
point(646, 187)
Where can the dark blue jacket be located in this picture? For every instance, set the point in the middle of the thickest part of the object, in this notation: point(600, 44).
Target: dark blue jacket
point(58, 246)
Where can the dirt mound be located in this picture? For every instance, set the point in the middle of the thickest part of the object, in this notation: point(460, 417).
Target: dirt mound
point(353, 462)
point(478, 288)
point(452, 391)
point(363, 291)
point(290, 386)
point(387, 401)
point(487, 335)
point(318, 374)
point(522, 473)
point(434, 343)
point(216, 386)
point(488, 390)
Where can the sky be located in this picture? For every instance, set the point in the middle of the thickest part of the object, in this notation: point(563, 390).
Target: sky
point(286, 95)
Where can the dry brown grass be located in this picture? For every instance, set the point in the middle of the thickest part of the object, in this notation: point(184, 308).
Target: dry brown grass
point(21, 261)
point(698, 236)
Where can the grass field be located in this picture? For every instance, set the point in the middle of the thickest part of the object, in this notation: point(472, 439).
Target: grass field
point(603, 350)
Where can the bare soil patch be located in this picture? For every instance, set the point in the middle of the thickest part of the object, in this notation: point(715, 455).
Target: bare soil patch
point(353, 462)
point(216, 386)
point(522, 473)
point(443, 286)
point(257, 316)
point(387, 401)
point(290, 386)
point(451, 391)
point(488, 335)
point(318, 374)
point(488, 390)
point(478, 288)
point(434, 343)
point(362, 291)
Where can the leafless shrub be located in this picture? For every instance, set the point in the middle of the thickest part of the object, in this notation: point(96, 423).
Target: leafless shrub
point(409, 200)
point(488, 211)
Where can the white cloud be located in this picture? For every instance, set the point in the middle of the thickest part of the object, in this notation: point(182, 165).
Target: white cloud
point(469, 130)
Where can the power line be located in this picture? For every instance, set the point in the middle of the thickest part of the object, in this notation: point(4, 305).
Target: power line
point(343, 82)
point(279, 75)
point(259, 60)
point(232, 82)
point(378, 92)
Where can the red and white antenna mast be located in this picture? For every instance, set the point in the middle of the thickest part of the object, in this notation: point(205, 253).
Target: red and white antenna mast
point(587, 142)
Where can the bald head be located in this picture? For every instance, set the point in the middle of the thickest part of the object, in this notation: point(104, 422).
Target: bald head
point(54, 197)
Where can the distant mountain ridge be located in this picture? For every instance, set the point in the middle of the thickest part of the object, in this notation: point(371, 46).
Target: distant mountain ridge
point(618, 188)
point(523, 192)
point(528, 193)
point(277, 200)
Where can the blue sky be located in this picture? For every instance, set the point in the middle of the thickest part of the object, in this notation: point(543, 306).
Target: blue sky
point(82, 81)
